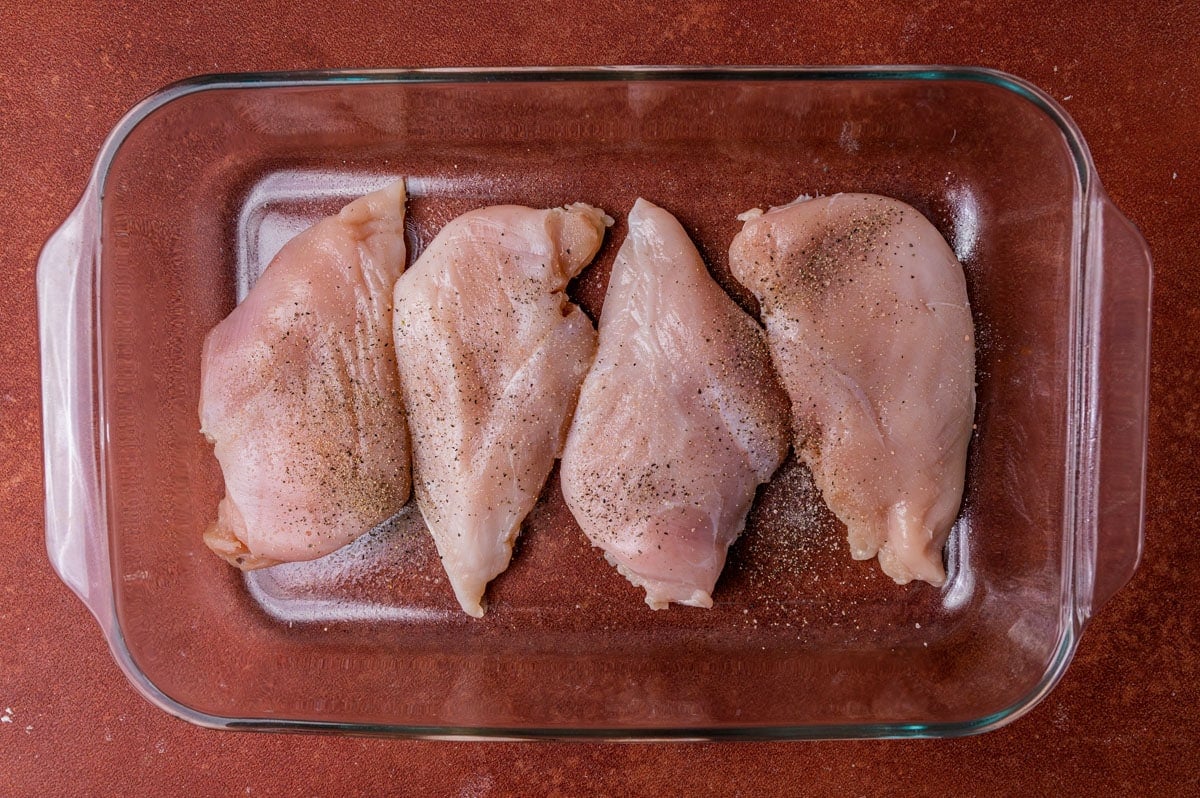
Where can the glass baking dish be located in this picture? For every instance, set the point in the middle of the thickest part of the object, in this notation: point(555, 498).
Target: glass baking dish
point(200, 184)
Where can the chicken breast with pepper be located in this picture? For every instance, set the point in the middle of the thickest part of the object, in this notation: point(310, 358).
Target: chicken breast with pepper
point(492, 353)
point(300, 394)
point(870, 329)
point(680, 419)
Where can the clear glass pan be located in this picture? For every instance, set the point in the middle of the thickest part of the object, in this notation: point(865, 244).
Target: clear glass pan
point(201, 183)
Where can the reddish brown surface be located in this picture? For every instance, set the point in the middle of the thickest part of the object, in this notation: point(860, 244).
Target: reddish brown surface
point(1126, 712)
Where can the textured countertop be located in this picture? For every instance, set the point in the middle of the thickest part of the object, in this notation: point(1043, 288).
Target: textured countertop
point(1125, 719)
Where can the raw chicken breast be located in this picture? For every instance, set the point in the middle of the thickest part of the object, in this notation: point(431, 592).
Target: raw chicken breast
point(679, 420)
point(492, 354)
point(300, 395)
point(869, 327)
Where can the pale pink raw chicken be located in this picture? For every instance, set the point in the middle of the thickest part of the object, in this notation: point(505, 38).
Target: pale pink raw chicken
point(868, 322)
point(679, 421)
point(492, 353)
point(300, 395)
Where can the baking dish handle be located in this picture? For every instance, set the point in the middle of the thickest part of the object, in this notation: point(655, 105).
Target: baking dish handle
point(1122, 397)
point(75, 534)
